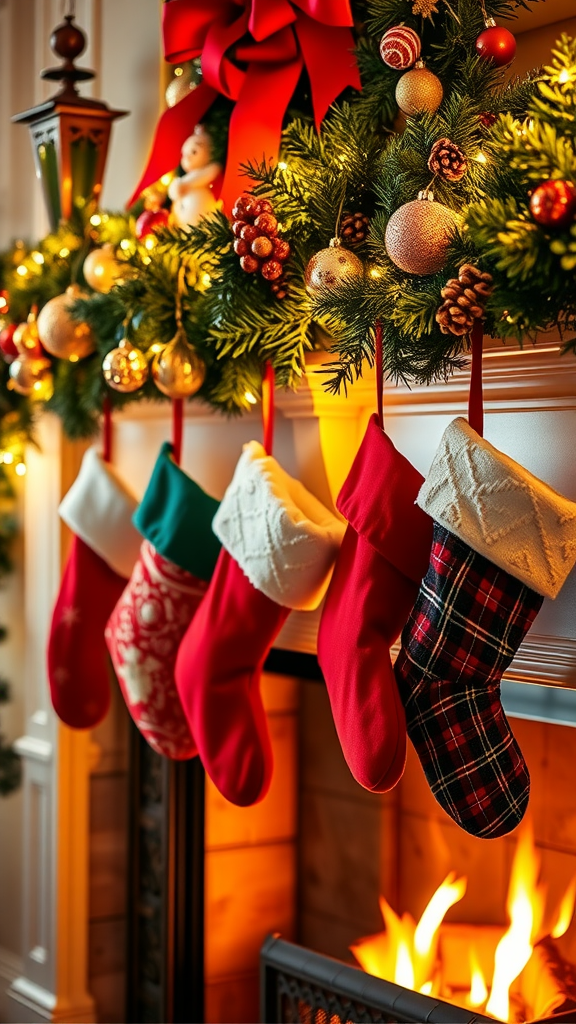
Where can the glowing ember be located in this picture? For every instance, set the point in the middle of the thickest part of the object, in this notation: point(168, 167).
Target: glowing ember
point(409, 953)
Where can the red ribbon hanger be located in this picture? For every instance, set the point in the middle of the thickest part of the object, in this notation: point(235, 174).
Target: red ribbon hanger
point(379, 360)
point(253, 52)
point(268, 408)
point(107, 429)
point(476, 397)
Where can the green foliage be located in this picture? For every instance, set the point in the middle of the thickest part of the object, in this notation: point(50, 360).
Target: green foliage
point(9, 760)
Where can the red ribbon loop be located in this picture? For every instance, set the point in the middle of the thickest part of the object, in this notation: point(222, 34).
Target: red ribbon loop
point(274, 40)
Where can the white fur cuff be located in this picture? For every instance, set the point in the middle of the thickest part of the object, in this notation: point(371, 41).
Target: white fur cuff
point(282, 537)
point(501, 510)
point(98, 508)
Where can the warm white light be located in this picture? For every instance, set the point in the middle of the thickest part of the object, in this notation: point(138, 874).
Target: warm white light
point(125, 244)
point(22, 270)
point(165, 179)
point(38, 258)
point(283, 166)
point(95, 219)
point(149, 242)
point(250, 398)
point(64, 253)
point(8, 458)
point(20, 469)
point(375, 272)
point(564, 76)
point(480, 157)
point(205, 280)
point(178, 72)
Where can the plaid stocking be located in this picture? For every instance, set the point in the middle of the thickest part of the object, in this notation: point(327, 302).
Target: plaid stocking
point(470, 616)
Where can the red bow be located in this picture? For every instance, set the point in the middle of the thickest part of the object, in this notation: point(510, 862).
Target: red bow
point(253, 52)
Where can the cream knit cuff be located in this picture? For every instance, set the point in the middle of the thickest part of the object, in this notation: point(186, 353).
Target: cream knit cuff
point(501, 510)
point(98, 508)
point(282, 537)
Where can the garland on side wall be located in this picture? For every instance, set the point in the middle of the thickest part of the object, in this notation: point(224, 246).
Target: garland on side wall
point(437, 196)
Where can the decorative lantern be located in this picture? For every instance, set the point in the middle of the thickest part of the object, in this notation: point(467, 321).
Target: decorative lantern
point(70, 134)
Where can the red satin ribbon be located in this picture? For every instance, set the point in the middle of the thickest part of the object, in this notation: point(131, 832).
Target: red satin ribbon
point(476, 398)
point(107, 429)
point(275, 39)
point(177, 425)
point(379, 372)
point(268, 408)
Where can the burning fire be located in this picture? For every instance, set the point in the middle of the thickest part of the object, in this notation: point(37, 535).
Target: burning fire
point(408, 953)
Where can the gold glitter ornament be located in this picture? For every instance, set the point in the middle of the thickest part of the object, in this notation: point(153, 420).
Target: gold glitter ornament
point(419, 89)
point(125, 368)
point(179, 86)
point(60, 335)
point(332, 267)
point(32, 376)
point(101, 269)
point(418, 235)
point(178, 371)
point(26, 338)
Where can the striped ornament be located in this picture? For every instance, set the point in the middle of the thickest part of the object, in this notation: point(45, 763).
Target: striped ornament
point(400, 47)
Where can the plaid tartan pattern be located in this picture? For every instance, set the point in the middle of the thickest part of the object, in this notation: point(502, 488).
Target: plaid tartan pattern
point(466, 626)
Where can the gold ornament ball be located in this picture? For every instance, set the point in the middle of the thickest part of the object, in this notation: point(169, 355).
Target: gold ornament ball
point(26, 338)
point(179, 87)
point(178, 371)
point(60, 335)
point(31, 376)
point(101, 269)
point(418, 235)
point(418, 90)
point(330, 268)
point(125, 368)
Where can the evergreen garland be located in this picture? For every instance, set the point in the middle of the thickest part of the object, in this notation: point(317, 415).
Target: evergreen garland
point(513, 134)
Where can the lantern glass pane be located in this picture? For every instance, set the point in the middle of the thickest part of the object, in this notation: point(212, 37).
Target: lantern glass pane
point(84, 165)
point(47, 164)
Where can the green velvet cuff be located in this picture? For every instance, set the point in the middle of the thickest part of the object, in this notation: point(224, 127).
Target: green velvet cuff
point(176, 515)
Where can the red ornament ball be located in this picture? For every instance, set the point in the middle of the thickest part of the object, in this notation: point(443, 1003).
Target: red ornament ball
point(272, 270)
point(553, 204)
point(240, 247)
point(237, 227)
point(266, 223)
point(400, 47)
point(149, 222)
point(249, 233)
point(497, 44)
point(263, 206)
point(7, 346)
point(250, 264)
point(262, 246)
point(244, 207)
point(281, 249)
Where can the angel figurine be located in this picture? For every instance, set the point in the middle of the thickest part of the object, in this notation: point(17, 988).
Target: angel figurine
point(191, 195)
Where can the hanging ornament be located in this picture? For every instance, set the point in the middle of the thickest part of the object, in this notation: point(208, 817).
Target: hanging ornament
point(178, 371)
point(101, 269)
point(354, 228)
point(60, 334)
point(26, 338)
point(7, 346)
point(400, 47)
point(419, 90)
point(418, 235)
point(425, 8)
point(496, 44)
point(447, 160)
point(331, 268)
point(125, 368)
point(553, 204)
point(150, 221)
point(180, 85)
point(32, 376)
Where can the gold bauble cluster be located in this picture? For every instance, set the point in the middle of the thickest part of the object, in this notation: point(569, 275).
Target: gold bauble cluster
point(332, 267)
point(419, 89)
point(30, 373)
point(101, 269)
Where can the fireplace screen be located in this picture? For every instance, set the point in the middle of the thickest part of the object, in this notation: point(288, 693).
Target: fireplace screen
point(303, 987)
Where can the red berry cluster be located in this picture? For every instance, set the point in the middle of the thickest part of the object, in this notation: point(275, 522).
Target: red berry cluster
point(257, 242)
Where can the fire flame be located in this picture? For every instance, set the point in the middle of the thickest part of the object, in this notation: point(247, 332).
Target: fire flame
point(478, 992)
point(525, 906)
point(407, 952)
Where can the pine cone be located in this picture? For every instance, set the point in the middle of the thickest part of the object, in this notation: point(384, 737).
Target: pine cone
point(447, 160)
point(465, 298)
point(354, 227)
